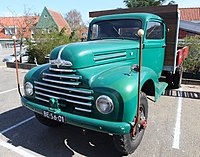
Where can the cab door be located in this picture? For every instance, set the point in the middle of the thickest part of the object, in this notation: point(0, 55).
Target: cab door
point(154, 46)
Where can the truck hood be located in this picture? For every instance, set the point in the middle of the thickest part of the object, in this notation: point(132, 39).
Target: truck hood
point(92, 53)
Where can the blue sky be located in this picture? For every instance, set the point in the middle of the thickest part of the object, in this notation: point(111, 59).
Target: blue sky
point(64, 6)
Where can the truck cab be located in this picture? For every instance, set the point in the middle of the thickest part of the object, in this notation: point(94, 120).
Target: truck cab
point(126, 26)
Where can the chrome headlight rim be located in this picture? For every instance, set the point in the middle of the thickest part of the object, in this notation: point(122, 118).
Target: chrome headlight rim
point(28, 89)
point(109, 104)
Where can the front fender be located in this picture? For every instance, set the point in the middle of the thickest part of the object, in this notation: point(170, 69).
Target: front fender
point(148, 74)
point(118, 79)
point(35, 72)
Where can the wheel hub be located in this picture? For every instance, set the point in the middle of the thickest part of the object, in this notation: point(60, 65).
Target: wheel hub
point(141, 124)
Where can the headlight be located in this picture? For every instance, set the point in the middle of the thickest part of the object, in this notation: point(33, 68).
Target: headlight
point(28, 89)
point(104, 104)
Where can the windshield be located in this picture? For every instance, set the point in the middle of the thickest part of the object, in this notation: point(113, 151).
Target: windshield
point(121, 28)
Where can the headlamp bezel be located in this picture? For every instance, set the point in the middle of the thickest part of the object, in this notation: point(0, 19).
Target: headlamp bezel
point(31, 88)
point(109, 103)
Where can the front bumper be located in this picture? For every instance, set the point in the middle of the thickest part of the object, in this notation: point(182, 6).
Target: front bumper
point(84, 122)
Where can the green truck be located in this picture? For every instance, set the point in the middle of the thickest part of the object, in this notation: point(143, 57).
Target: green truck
point(100, 84)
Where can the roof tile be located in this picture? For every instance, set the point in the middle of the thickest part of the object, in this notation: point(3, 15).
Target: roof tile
point(58, 18)
point(190, 14)
point(18, 21)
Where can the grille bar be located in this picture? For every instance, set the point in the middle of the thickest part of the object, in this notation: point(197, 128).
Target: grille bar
point(41, 99)
point(76, 108)
point(80, 109)
point(63, 76)
point(64, 94)
point(61, 82)
point(70, 101)
point(63, 88)
point(62, 70)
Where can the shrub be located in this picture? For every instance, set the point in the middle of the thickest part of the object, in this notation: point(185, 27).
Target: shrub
point(45, 43)
point(192, 62)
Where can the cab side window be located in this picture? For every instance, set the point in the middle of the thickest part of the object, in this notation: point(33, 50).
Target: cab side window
point(155, 30)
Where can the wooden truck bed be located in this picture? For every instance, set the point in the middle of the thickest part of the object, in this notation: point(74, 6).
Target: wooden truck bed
point(171, 17)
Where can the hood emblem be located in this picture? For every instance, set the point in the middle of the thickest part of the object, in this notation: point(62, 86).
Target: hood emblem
point(60, 62)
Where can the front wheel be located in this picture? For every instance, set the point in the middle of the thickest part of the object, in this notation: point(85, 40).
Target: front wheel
point(47, 122)
point(128, 143)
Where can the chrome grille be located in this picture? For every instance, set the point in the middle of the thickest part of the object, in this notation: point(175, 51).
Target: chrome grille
point(65, 86)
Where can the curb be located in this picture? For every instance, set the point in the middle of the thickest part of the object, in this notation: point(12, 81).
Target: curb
point(20, 65)
point(190, 81)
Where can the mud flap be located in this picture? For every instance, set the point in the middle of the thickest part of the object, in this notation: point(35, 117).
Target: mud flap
point(160, 87)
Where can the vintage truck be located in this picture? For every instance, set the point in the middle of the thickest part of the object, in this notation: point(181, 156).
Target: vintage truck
point(94, 84)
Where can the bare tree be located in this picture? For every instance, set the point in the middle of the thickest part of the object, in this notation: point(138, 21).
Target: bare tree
point(74, 19)
point(76, 23)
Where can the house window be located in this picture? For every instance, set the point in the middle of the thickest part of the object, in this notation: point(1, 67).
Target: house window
point(45, 16)
point(44, 31)
point(11, 30)
point(49, 31)
point(32, 31)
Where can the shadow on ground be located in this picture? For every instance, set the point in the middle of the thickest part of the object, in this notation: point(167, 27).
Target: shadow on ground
point(183, 94)
point(66, 140)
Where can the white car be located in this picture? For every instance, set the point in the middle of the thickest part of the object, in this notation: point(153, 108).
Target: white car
point(11, 58)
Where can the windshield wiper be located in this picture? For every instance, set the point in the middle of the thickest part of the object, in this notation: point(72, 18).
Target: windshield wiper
point(116, 31)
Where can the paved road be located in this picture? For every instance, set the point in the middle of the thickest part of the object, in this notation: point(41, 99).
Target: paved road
point(173, 128)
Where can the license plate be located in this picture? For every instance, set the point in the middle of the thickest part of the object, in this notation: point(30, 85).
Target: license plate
point(53, 116)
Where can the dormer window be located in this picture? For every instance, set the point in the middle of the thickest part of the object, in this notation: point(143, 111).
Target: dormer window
point(45, 16)
point(10, 30)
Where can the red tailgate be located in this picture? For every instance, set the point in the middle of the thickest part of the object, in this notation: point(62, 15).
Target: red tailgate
point(182, 54)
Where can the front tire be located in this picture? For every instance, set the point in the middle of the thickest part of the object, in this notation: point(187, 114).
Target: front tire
point(47, 122)
point(128, 143)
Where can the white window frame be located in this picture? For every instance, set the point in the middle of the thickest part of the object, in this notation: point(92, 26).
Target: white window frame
point(10, 30)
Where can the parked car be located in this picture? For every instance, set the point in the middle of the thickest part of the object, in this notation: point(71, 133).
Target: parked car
point(11, 58)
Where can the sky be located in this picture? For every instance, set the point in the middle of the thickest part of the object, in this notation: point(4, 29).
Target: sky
point(64, 6)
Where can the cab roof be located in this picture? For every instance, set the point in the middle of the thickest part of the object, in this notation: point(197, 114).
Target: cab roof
point(141, 16)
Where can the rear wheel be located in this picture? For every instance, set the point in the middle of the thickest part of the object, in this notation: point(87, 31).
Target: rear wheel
point(177, 77)
point(169, 80)
point(47, 122)
point(128, 143)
